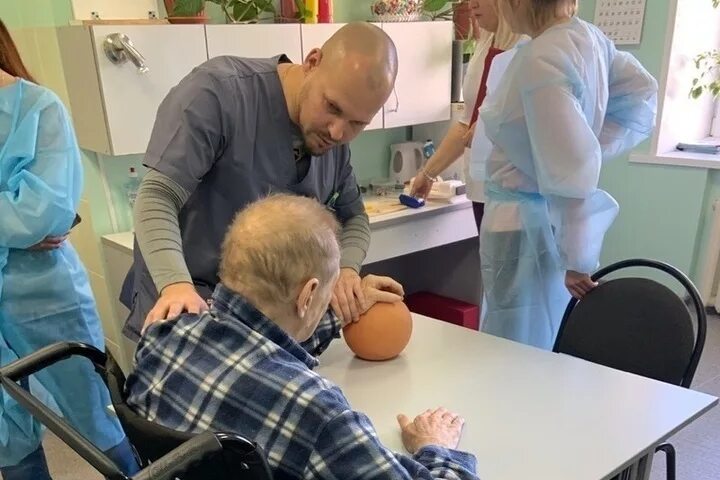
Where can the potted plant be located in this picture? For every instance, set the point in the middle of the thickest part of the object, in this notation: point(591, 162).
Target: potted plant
point(438, 9)
point(708, 64)
point(187, 11)
point(236, 11)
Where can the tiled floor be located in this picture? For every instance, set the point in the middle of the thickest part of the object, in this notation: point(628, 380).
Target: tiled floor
point(698, 446)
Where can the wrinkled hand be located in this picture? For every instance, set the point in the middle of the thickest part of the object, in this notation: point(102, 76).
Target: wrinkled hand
point(578, 284)
point(421, 186)
point(348, 296)
point(380, 289)
point(49, 243)
point(439, 427)
point(174, 300)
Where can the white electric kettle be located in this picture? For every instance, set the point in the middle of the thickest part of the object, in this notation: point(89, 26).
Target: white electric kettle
point(405, 160)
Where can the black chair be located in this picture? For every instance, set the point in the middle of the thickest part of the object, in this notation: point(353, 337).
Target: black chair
point(639, 326)
point(165, 454)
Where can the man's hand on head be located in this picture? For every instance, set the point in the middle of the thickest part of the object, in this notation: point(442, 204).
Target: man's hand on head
point(174, 300)
point(348, 296)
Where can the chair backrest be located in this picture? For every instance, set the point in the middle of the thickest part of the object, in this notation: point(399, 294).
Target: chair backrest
point(208, 456)
point(150, 440)
point(637, 325)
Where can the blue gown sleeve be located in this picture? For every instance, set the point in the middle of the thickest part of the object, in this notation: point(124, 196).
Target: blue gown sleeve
point(567, 157)
point(45, 182)
point(632, 106)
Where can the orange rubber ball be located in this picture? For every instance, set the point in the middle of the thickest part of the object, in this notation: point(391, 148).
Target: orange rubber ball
point(381, 333)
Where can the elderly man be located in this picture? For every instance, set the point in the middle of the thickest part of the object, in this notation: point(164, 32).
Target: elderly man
point(245, 365)
point(237, 129)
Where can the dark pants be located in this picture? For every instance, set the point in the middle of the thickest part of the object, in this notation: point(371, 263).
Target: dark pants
point(478, 210)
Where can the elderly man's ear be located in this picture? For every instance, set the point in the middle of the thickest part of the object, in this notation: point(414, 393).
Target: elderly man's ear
point(307, 294)
point(380, 289)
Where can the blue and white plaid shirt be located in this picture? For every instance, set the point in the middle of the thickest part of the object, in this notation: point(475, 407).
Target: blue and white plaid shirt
point(232, 369)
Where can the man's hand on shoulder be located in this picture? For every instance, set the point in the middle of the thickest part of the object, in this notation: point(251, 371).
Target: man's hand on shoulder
point(175, 299)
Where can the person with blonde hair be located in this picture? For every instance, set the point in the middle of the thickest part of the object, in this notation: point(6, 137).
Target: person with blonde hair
point(569, 101)
point(493, 35)
point(246, 365)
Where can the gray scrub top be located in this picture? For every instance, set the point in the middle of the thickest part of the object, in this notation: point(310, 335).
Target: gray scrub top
point(224, 133)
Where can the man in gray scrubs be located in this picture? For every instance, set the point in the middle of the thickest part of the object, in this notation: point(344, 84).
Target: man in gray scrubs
point(237, 129)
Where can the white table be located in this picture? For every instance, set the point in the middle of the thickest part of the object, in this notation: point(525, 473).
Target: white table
point(530, 414)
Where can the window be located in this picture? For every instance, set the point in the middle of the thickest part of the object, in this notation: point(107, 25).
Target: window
point(693, 28)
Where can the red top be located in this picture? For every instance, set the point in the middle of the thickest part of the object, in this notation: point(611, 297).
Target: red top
point(482, 91)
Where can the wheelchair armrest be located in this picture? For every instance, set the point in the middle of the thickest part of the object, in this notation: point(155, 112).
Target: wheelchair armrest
point(179, 461)
point(50, 355)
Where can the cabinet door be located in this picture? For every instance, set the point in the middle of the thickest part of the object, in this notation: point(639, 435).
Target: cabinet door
point(254, 41)
point(313, 36)
point(423, 81)
point(130, 98)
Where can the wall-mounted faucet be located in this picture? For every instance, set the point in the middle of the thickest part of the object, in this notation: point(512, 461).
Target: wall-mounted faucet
point(119, 49)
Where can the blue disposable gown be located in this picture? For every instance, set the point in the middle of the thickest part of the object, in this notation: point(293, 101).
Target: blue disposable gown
point(45, 297)
point(567, 102)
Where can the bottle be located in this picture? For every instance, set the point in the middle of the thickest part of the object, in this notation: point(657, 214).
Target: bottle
point(132, 186)
point(311, 8)
point(428, 149)
point(325, 11)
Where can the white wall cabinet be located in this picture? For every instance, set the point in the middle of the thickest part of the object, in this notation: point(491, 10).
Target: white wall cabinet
point(114, 105)
point(255, 41)
point(424, 70)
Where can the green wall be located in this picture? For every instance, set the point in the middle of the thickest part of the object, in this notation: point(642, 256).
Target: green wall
point(663, 209)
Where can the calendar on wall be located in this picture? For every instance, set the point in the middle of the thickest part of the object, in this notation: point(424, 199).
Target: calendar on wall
point(621, 20)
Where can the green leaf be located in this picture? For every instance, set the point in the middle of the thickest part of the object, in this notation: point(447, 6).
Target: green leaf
point(187, 8)
point(266, 6)
point(433, 5)
point(245, 11)
point(696, 92)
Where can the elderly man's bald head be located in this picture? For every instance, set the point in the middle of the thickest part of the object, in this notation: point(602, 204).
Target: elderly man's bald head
point(347, 82)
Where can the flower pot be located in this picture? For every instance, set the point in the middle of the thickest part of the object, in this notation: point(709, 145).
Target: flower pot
point(200, 17)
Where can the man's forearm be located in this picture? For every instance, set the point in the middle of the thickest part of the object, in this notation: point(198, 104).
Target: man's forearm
point(354, 241)
point(157, 229)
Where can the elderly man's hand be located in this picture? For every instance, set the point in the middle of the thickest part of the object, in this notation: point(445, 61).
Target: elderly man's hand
point(174, 300)
point(380, 289)
point(433, 427)
point(348, 296)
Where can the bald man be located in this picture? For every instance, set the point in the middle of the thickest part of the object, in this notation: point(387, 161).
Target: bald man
point(235, 130)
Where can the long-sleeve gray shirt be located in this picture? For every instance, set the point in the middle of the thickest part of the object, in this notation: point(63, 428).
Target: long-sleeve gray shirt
point(157, 228)
point(223, 138)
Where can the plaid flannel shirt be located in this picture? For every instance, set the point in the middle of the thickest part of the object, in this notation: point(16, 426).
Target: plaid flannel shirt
point(232, 369)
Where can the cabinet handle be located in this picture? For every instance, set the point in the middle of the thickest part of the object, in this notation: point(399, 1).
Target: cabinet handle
point(119, 49)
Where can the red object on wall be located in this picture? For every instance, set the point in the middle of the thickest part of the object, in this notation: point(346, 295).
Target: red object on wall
point(446, 309)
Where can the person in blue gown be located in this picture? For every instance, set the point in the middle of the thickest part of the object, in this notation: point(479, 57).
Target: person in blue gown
point(568, 102)
point(45, 294)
